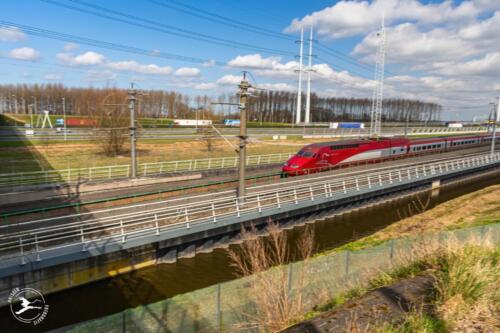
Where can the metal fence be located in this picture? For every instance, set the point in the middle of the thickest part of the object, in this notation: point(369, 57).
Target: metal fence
point(110, 172)
point(234, 306)
point(39, 239)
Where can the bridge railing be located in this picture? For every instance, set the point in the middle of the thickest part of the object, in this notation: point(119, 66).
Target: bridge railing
point(32, 240)
point(101, 173)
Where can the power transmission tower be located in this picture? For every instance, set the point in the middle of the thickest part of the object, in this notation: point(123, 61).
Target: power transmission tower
point(378, 92)
point(299, 89)
point(309, 70)
point(132, 98)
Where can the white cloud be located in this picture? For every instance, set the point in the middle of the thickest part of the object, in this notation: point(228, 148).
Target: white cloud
point(255, 61)
point(11, 34)
point(277, 86)
point(25, 53)
point(205, 86)
point(68, 47)
point(134, 66)
point(350, 18)
point(489, 65)
point(84, 59)
point(187, 71)
point(407, 44)
point(52, 77)
point(210, 63)
point(229, 80)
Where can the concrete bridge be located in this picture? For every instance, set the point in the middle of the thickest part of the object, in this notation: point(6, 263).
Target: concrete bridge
point(57, 253)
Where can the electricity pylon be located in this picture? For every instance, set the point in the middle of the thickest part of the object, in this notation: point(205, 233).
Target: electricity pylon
point(378, 91)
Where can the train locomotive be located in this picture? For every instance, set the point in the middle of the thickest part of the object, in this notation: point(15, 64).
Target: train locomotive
point(326, 155)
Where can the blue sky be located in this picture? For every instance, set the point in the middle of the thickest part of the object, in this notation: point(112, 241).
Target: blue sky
point(446, 52)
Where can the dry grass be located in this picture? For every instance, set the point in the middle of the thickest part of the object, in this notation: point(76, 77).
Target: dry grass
point(467, 296)
point(275, 305)
point(476, 208)
point(81, 155)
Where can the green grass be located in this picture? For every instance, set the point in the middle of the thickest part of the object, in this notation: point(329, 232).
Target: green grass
point(416, 323)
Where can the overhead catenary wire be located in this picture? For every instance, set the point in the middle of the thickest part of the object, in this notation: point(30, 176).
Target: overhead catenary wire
point(104, 12)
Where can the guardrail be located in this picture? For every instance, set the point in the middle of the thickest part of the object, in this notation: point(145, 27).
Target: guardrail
point(100, 173)
point(393, 131)
point(35, 239)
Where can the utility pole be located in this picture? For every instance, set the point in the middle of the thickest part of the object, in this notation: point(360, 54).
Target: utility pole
point(132, 98)
point(244, 85)
point(64, 117)
point(495, 120)
point(299, 89)
point(309, 70)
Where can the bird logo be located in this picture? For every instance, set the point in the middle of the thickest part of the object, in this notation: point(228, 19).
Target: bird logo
point(28, 305)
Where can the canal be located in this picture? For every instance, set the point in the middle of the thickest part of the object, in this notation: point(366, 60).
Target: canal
point(166, 280)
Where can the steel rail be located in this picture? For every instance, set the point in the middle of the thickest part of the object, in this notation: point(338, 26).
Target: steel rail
point(38, 241)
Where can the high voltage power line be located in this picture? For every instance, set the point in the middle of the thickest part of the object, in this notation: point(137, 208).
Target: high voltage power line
point(161, 27)
point(216, 18)
point(206, 38)
point(213, 17)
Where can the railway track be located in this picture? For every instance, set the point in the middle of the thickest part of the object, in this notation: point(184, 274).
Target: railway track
point(121, 224)
point(218, 183)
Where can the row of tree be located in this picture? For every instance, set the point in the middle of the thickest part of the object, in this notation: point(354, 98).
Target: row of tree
point(264, 106)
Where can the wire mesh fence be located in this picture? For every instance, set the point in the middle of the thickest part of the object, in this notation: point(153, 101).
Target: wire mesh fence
point(235, 306)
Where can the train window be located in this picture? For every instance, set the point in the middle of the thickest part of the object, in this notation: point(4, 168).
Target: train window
point(344, 147)
point(307, 154)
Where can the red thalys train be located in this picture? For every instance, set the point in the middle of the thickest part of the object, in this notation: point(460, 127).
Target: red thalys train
point(325, 155)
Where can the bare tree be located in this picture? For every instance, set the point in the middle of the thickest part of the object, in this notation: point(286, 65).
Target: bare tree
point(113, 119)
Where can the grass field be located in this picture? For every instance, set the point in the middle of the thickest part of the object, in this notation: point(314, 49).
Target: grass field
point(22, 157)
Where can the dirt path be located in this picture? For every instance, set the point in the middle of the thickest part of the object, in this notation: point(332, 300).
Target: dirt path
point(383, 305)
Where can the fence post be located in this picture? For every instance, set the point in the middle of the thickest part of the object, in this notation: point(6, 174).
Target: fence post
point(36, 248)
point(391, 254)
point(123, 232)
point(213, 213)
point(187, 217)
point(218, 312)
point(278, 199)
point(312, 194)
point(295, 196)
point(156, 224)
point(343, 187)
point(82, 238)
point(347, 255)
point(23, 261)
point(357, 184)
point(124, 321)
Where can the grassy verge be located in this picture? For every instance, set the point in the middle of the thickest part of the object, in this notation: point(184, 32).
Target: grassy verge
point(20, 157)
point(466, 299)
point(465, 295)
point(477, 208)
